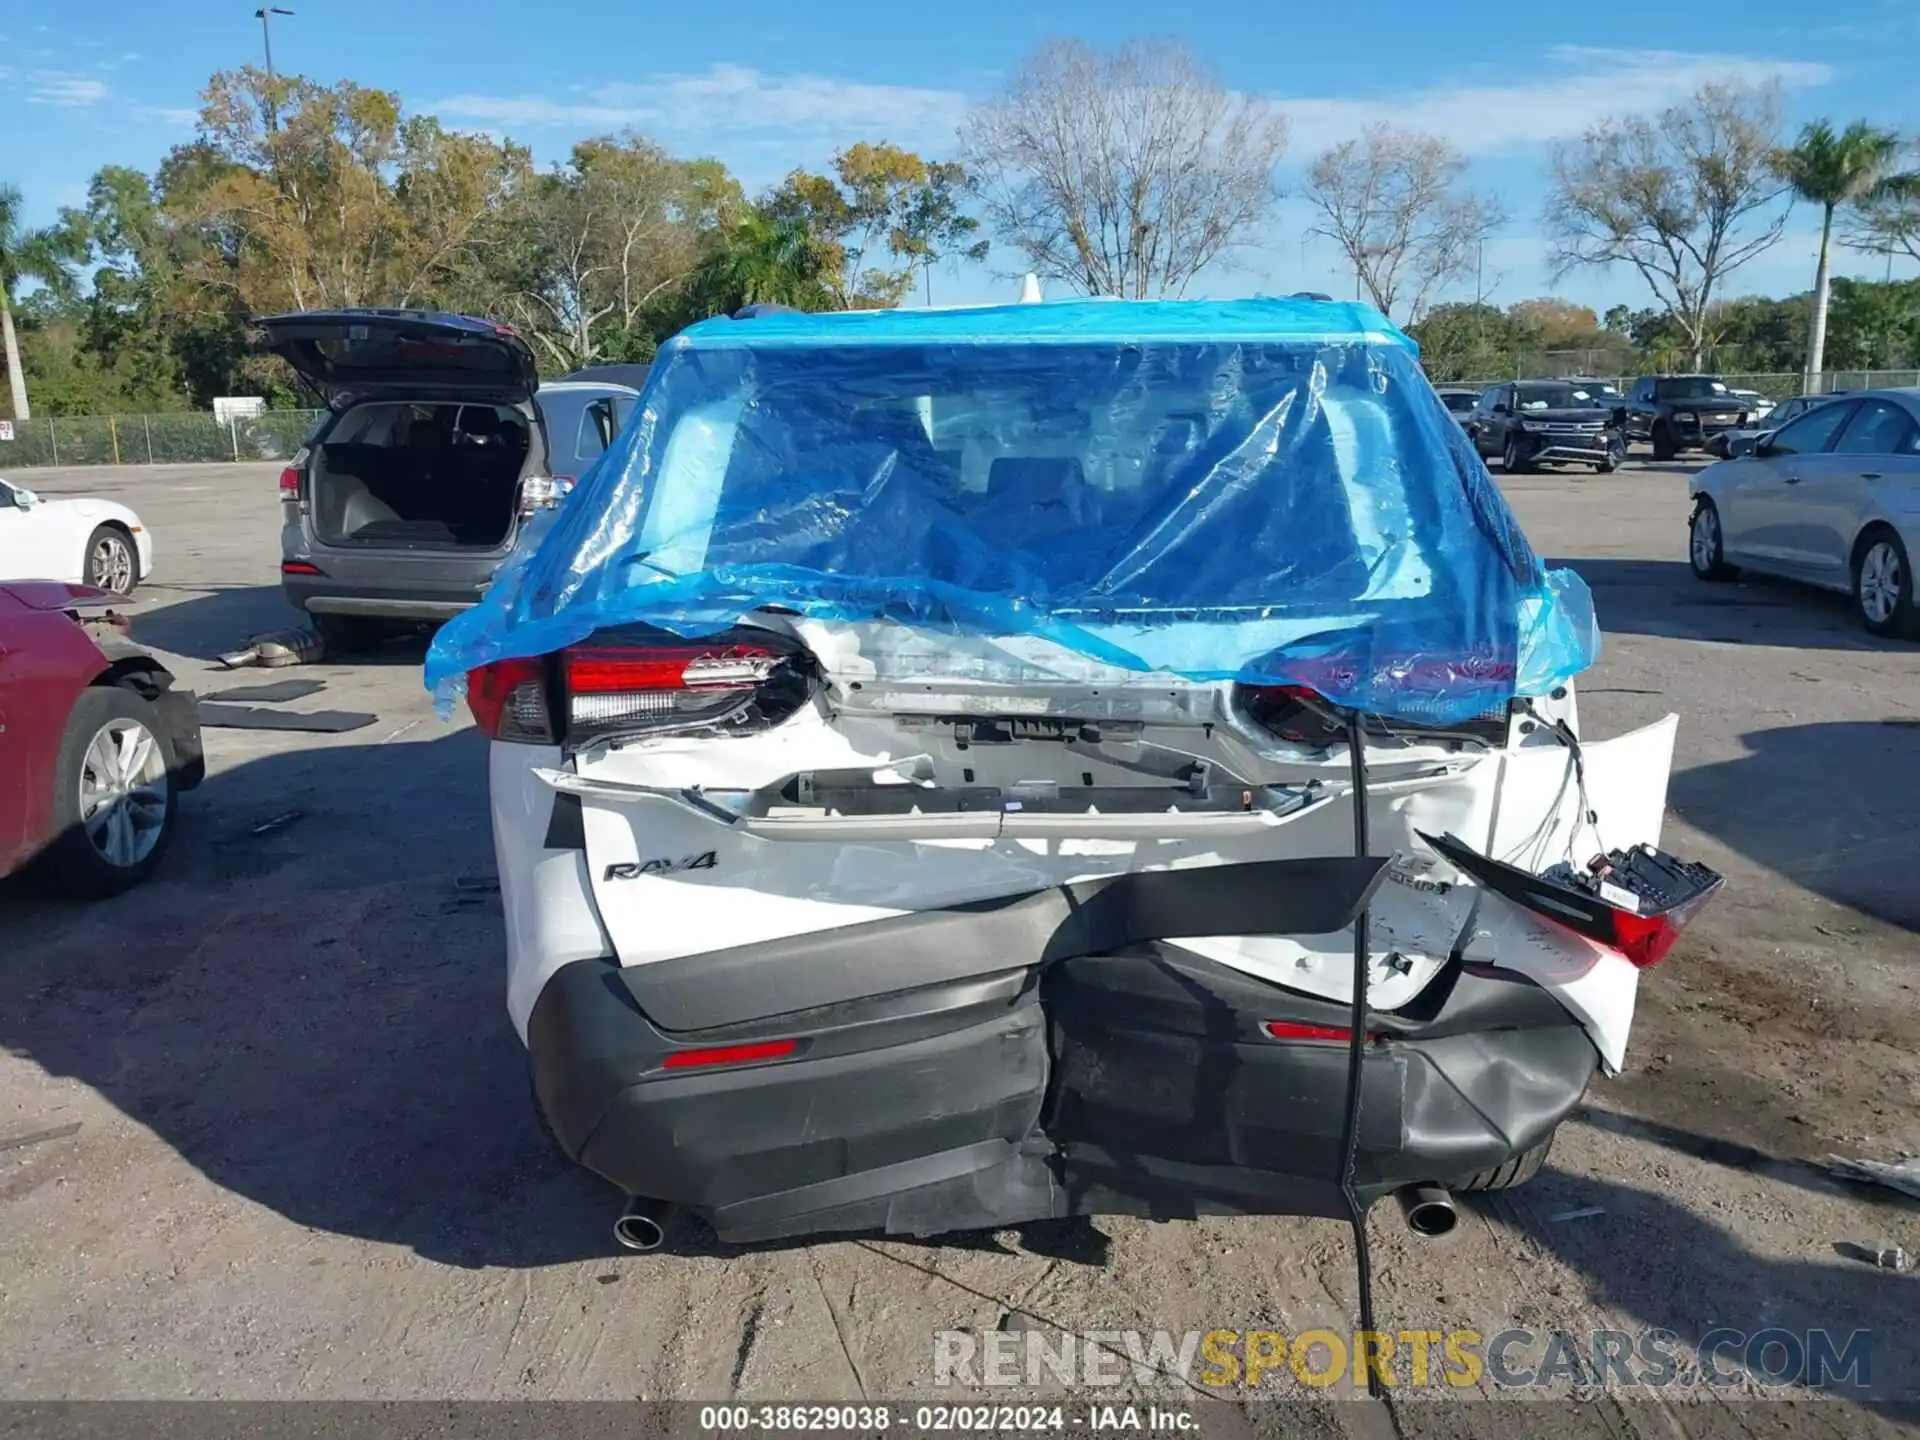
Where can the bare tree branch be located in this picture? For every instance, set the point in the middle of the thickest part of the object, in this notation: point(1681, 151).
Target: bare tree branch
point(1685, 197)
point(1123, 174)
point(1391, 201)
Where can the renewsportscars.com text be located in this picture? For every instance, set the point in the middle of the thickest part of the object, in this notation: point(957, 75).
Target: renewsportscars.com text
point(1416, 1359)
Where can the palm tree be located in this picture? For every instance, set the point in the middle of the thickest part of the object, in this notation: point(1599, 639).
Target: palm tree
point(761, 259)
point(1834, 170)
point(42, 255)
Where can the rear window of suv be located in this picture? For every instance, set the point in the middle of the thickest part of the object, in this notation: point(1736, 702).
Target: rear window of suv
point(1691, 387)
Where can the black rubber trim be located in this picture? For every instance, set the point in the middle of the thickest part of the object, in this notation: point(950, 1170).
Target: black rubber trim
point(929, 947)
point(566, 825)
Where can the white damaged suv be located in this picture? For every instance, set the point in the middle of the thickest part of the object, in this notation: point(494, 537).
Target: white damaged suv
point(923, 797)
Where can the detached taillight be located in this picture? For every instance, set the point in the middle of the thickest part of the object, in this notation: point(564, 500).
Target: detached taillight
point(1635, 902)
point(509, 701)
point(636, 689)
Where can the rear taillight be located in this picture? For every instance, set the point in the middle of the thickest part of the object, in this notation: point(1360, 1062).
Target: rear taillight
point(509, 701)
point(543, 492)
point(752, 1053)
point(725, 685)
point(637, 689)
point(300, 567)
point(290, 483)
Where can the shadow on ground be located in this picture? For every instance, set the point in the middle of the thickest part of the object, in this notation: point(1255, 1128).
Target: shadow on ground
point(1661, 1266)
point(1828, 806)
point(1662, 597)
point(207, 623)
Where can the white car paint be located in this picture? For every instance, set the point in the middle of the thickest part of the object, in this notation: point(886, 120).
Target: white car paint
point(46, 539)
point(790, 870)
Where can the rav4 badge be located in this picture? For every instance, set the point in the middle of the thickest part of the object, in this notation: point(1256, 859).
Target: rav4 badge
point(633, 869)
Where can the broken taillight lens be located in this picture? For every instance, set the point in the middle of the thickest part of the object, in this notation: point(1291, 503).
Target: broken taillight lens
point(509, 701)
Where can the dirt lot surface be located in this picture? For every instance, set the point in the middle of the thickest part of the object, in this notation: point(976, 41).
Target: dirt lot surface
point(306, 1165)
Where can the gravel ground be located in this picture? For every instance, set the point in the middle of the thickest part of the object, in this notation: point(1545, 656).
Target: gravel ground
point(306, 1166)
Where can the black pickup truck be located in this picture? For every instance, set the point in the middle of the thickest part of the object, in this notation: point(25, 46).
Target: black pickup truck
point(1676, 413)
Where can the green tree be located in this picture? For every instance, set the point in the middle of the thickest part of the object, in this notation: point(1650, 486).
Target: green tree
point(883, 215)
point(47, 255)
point(765, 258)
point(1834, 170)
point(1468, 342)
point(1875, 325)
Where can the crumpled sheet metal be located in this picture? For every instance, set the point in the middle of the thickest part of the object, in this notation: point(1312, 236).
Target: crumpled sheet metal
point(1265, 491)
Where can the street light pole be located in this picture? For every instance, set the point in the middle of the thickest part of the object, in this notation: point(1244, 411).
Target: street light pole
point(266, 42)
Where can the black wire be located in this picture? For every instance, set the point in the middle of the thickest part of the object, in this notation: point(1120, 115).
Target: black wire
point(1356, 1042)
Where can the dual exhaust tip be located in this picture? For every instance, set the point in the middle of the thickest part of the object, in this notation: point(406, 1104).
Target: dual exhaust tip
point(642, 1226)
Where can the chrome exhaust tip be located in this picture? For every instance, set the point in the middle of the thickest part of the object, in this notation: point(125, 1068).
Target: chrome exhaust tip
point(642, 1226)
point(1429, 1210)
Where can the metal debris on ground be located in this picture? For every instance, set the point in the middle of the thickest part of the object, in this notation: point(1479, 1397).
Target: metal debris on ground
point(277, 822)
point(216, 716)
point(1903, 1175)
point(1893, 1257)
point(34, 1137)
point(1585, 1212)
point(281, 647)
point(272, 694)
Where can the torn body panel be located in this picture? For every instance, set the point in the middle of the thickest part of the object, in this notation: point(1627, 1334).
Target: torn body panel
point(901, 810)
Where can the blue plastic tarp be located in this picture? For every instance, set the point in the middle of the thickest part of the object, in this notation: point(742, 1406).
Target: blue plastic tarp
point(1265, 491)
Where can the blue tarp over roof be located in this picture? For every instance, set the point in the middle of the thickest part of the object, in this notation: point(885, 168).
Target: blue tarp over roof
point(1261, 490)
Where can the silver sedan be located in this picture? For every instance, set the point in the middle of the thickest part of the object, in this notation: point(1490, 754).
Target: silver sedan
point(1831, 498)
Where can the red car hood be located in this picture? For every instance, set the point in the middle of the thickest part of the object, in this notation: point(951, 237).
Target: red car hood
point(55, 595)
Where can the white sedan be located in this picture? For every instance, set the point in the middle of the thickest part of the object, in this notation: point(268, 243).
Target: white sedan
point(84, 541)
point(1831, 498)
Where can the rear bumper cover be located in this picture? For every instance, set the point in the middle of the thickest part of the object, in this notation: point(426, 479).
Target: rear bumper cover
point(323, 595)
point(1137, 1081)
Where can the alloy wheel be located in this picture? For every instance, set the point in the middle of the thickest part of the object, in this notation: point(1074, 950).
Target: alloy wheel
point(110, 566)
point(1880, 582)
point(123, 793)
point(1706, 538)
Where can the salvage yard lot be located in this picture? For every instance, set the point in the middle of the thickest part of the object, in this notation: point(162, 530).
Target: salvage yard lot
point(307, 1164)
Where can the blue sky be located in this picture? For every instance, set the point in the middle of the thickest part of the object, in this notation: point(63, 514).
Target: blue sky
point(767, 86)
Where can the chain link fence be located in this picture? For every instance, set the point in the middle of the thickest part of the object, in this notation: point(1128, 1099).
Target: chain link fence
point(1775, 386)
point(156, 439)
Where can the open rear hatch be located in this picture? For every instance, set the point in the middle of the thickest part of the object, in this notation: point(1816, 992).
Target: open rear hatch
point(353, 355)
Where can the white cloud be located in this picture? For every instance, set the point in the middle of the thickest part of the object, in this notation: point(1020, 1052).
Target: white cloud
point(174, 117)
point(729, 101)
point(64, 89)
point(1577, 87)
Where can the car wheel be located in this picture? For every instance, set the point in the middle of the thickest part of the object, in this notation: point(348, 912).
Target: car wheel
point(1664, 448)
point(1883, 584)
point(1706, 547)
point(349, 634)
point(112, 564)
point(1517, 1171)
point(1510, 460)
point(113, 808)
